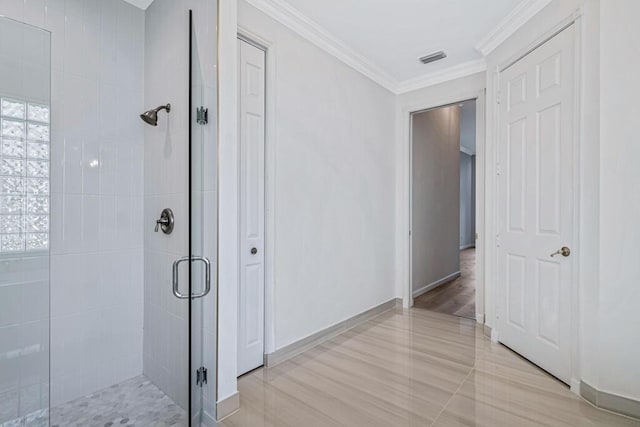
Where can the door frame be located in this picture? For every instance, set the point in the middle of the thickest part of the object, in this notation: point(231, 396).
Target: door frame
point(572, 20)
point(269, 49)
point(405, 250)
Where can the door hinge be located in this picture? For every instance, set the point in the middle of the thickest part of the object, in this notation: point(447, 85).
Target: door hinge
point(498, 169)
point(498, 97)
point(497, 240)
point(201, 376)
point(202, 116)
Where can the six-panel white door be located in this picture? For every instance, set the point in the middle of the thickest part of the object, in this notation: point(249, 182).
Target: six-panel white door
point(535, 204)
point(251, 132)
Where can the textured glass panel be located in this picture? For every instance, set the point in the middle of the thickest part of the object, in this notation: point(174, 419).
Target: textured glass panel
point(38, 132)
point(37, 186)
point(13, 129)
point(39, 113)
point(12, 204)
point(11, 224)
point(37, 169)
point(38, 223)
point(37, 241)
point(38, 205)
point(13, 167)
point(37, 150)
point(13, 147)
point(11, 108)
point(13, 243)
point(11, 185)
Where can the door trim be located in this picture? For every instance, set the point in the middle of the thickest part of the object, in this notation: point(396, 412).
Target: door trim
point(575, 20)
point(270, 50)
point(405, 247)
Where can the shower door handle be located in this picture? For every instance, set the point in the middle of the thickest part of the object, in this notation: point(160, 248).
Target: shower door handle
point(207, 276)
point(176, 278)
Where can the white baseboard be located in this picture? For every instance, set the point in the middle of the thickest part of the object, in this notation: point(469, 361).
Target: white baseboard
point(463, 247)
point(293, 349)
point(609, 401)
point(435, 284)
point(227, 406)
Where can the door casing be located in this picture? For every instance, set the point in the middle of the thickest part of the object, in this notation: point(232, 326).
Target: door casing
point(405, 246)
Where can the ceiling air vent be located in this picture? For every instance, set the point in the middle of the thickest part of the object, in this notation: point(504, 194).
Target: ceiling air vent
point(432, 57)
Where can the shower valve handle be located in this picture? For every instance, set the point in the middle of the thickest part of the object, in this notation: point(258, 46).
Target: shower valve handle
point(165, 222)
point(162, 221)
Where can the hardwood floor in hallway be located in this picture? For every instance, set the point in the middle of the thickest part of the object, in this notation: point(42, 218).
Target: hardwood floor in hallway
point(411, 368)
point(457, 297)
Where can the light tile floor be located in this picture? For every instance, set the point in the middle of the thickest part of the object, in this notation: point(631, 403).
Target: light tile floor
point(135, 402)
point(412, 368)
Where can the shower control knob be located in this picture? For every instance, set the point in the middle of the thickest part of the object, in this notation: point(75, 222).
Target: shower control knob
point(165, 222)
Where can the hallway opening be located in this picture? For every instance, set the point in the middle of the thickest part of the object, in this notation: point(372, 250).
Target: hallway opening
point(457, 297)
point(443, 209)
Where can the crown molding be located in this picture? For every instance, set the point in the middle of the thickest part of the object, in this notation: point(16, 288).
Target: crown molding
point(441, 76)
point(293, 19)
point(519, 16)
point(142, 4)
point(311, 31)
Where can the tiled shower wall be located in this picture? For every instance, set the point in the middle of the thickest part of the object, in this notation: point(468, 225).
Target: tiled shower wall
point(166, 350)
point(96, 189)
point(24, 206)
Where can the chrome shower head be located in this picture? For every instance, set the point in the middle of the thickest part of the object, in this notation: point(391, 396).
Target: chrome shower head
point(151, 117)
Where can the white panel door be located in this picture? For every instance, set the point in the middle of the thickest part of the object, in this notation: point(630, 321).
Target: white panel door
point(251, 292)
point(535, 208)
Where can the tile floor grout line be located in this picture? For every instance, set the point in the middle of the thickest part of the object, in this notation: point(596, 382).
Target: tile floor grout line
point(473, 368)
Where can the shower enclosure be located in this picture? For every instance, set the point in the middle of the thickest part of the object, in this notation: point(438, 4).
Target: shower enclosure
point(108, 223)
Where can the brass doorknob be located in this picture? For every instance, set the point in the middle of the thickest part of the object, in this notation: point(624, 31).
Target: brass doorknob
point(564, 251)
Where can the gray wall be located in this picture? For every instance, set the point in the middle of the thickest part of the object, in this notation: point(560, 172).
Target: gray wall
point(467, 200)
point(436, 195)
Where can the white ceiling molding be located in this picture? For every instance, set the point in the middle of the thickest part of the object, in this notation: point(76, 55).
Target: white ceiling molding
point(526, 10)
point(142, 4)
point(451, 73)
point(306, 28)
point(291, 18)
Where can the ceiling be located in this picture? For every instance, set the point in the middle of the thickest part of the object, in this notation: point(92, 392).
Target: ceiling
point(383, 39)
point(393, 34)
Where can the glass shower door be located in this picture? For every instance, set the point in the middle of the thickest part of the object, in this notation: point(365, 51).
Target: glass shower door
point(202, 239)
point(24, 223)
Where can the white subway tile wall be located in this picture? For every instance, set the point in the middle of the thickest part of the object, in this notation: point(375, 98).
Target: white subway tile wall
point(24, 223)
point(110, 178)
point(166, 177)
point(96, 187)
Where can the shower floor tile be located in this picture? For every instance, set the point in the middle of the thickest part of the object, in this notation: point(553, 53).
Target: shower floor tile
point(135, 402)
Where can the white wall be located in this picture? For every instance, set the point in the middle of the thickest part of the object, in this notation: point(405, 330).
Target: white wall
point(619, 180)
point(467, 200)
point(333, 178)
point(435, 202)
point(166, 180)
point(468, 127)
point(96, 209)
point(228, 176)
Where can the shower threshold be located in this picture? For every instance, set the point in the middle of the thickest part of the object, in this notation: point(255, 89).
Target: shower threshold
point(135, 402)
